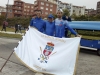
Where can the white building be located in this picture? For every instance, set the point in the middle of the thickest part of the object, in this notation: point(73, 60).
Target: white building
point(2, 9)
point(78, 10)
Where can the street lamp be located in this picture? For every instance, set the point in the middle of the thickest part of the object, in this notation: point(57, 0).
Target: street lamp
point(7, 10)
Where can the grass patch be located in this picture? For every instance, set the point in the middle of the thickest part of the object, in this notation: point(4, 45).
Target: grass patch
point(10, 35)
point(88, 33)
point(11, 29)
point(8, 29)
point(89, 37)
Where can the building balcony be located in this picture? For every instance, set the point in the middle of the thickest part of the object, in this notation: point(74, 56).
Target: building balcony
point(17, 8)
point(18, 5)
point(35, 5)
point(20, 13)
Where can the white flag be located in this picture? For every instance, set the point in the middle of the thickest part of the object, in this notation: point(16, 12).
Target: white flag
point(47, 54)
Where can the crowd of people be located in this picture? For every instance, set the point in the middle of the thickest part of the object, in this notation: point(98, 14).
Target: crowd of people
point(52, 27)
point(17, 27)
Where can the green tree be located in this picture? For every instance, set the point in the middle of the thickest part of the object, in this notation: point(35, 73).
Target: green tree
point(66, 12)
point(2, 18)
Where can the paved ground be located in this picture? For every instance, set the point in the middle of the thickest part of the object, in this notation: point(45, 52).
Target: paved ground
point(88, 62)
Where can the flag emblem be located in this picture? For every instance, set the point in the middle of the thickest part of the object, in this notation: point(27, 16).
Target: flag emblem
point(46, 52)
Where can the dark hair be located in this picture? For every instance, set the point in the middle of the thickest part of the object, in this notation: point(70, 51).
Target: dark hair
point(38, 11)
point(33, 15)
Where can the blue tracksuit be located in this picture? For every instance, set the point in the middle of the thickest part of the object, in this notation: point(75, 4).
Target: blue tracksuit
point(60, 28)
point(50, 28)
point(31, 22)
point(39, 24)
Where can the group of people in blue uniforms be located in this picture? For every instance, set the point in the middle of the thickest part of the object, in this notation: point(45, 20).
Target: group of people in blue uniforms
point(51, 27)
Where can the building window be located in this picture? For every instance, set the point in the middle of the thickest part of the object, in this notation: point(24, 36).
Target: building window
point(46, 13)
point(24, 9)
point(50, 9)
point(42, 7)
point(42, 3)
point(19, 7)
point(25, 6)
point(10, 10)
point(47, 4)
point(15, 10)
point(31, 7)
point(27, 10)
point(46, 8)
point(79, 11)
point(51, 5)
point(28, 6)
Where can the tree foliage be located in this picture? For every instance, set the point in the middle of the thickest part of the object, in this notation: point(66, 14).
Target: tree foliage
point(2, 18)
point(66, 12)
point(87, 18)
point(16, 20)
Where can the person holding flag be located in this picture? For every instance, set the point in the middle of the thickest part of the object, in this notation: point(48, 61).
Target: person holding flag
point(50, 26)
point(60, 26)
point(38, 22)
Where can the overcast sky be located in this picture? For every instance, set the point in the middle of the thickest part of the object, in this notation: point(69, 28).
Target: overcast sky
point(87, 3)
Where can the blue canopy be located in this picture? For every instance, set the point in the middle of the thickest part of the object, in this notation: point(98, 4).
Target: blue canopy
point(87, 25)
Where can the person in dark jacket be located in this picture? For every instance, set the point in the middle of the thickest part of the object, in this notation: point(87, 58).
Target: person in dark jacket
point(69, 19)
point(16, 28)
point(4, 26)
point(20, 28)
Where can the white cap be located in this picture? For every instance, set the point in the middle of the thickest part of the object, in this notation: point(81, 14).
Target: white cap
point(60, 10)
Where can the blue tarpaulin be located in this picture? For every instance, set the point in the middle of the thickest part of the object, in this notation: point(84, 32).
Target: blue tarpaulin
point(87, 25)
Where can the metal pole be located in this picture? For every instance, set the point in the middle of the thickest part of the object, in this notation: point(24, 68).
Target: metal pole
point(6, 61)
point(7, 10)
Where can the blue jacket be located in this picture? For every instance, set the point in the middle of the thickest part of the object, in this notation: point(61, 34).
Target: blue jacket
point(31, 22)
point(60, 28)
point(50, 28)
point(39, 24)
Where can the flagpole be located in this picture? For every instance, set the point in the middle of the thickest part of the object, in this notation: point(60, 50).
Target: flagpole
point(6, 61)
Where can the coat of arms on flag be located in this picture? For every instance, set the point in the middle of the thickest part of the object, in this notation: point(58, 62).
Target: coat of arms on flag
point(46, 52)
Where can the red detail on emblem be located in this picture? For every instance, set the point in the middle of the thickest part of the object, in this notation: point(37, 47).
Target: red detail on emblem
point(46, 52)
point(50, 44)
